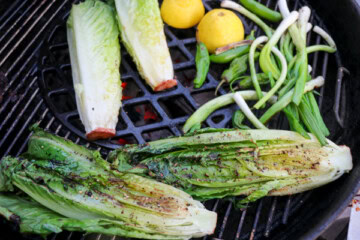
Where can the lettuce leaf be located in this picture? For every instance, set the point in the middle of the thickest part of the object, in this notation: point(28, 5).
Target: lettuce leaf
point(142, 33)
point(256, 163)
point(35, 218)
point(78, 183)
point(94, 47)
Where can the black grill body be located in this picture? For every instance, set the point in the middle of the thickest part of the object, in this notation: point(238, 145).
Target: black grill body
point(36, 87)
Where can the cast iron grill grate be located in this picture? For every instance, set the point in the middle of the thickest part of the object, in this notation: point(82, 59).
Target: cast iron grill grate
point(36, 86)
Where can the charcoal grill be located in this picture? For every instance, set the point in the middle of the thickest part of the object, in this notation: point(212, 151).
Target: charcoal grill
point(36, 86)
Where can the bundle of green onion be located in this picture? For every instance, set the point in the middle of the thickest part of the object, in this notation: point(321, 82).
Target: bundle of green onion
point(283, 60)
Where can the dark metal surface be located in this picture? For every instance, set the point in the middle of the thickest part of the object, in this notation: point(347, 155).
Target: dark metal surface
point(31, 92)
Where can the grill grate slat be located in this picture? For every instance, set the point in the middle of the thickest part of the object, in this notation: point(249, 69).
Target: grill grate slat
point(257, 215)
point(18, 73)
point(10, 11)
point(20, 53)
point(25, 34)
point(15, 91)
point(19, 19)
point(286, 210)
point(225, 219)
point(316, 56)
point(241, 223)
point(25, 125)
point(10, 113)
point(323, 73)
point(270, 218)
point(33, 40)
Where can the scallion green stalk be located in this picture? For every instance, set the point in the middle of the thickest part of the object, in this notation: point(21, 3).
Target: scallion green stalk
point(205, 110)
point(237, 7)
point(286, 99)
point(265, 61)
point(279, 82)
point(312, 49)
point(254, 79)
point(325, 35)
point(248, 113)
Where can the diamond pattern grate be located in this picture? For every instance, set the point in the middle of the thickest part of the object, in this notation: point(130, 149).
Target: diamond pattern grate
point(56, 85)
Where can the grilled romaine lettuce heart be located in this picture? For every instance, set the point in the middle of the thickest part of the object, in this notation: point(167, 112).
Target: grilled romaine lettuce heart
point(215, 163)
point(142, 32)
point(77, 183)
point(94, 47)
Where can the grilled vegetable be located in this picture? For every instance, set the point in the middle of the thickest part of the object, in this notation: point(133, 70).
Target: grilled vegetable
point(32, 217)
point(78, 183)
point(265, 61)
point(240, 101)
point(237, 7)
point(237, 119)
point(279, 81)
point(215, 163)
point(228, 55)
point(290, 36)
point(286, 99)
point(261, 10)
point(253, 75)
point(237, 68)
point(205, 110)
point(246, 81)
point(298, 35)
point(231, 54)
point(202, 64)
point(142, 33)
point(94, 48)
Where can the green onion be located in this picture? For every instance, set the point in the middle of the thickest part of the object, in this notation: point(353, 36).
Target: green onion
point(312, 49)
point(205, 110)
point(325, 35)
point(237, 7)
point(279, 82)
point(248, 113)
point(316, 112)
point(310, 122)
point(286, 99)
point(254, 79)
point(308, 27)
point(292, 115)
point(265, 61)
